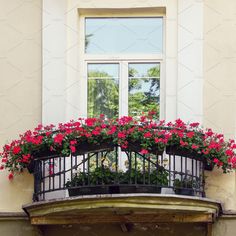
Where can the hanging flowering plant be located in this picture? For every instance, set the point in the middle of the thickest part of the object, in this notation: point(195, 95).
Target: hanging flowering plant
point(146, 134)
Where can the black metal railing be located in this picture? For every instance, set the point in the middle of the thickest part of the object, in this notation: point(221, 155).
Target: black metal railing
point(115, 171)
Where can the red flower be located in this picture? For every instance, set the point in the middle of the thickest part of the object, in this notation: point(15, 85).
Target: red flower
point(58, 139)
point(1, 167)
point(209, 133)
point(144, 151)
point(205, 151)
point(229, 152)
point(147, 135)
point(96, 132)
point(194, 146)
point(182, 143)
point(6, 148)
point(195, 124)
point(143, 118)
point(121, 135)
point(112, 130)
point(179, 123)
point(73, 149)
point(190, 134)
point(157, 140)
point(73, 142)
point(10, 176)
point(16, 150)
point(90, 121)
point(25, 158)
point(88, 135)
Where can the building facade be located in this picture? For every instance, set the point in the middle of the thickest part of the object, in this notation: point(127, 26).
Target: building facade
point(44, 68)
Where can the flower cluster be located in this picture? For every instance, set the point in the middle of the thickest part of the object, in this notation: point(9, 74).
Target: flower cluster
point(146, 133)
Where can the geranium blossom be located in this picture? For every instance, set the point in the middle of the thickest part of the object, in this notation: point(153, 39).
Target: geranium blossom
point(149, 134)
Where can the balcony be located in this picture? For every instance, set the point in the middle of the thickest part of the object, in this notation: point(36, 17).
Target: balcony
point(102, 184)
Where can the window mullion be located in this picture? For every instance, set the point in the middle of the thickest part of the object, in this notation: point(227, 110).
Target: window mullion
point(124, 89)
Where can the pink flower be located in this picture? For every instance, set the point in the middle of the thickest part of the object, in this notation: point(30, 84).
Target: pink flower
point(205, 151)
point(90, 121)
point(25, 158)
point(4, 160)
point(182, 143)
point(190, 134)
point(195, 124)
point(58, 139)
point(194, 146)
point(10, 176)
point(229, 152)
point(73, 149)
point(96, 132)
point(73, 142)
point(144, 151)
point(121, 135)
point(147, 135)
point(209, 133)
point(16, 150)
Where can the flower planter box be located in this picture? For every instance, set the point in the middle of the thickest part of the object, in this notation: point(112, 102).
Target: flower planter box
point(85, 147)
point(208, 166)
point(46, 153)
point(136, 147)
point(31, 166)
point(188, 192)
point(177, 151)
point(112, 189)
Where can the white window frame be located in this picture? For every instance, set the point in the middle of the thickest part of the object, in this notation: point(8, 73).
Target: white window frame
point(123, 60)
point(182, 65)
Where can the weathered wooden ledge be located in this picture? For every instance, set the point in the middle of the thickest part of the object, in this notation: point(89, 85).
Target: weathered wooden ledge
point(124, 208)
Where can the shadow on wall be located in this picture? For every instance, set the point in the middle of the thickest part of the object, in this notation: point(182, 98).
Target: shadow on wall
point(136, 229)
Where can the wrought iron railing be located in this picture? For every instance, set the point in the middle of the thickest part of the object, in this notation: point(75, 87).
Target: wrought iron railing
point(114, 171)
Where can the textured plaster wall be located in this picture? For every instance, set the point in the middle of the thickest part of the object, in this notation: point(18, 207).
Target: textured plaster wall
point(220, 87)
point(19, 228)
point(20, 86)
point(224, 227)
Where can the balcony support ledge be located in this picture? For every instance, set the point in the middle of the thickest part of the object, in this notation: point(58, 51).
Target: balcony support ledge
point(124, 208)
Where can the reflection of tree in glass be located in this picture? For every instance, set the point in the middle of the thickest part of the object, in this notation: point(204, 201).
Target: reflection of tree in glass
point(103, 94)
point(144, 101)
point(87, 36)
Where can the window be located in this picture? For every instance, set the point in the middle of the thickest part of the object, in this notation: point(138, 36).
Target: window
point(123, 58)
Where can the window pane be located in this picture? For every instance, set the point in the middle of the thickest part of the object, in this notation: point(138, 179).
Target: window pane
point(144, 88)
point(123, 35)
point(103, 90)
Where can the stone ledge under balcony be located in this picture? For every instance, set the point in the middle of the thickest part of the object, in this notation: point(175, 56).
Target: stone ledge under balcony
point(124, 208)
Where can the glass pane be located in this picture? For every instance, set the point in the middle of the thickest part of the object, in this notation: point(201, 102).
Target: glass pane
point(103, 90)
point(144, 88)
point(123, 35)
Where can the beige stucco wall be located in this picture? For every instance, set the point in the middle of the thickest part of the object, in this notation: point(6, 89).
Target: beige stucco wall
point(225, 226)
point(19, 227)
point(20, 87)
point(220, 87)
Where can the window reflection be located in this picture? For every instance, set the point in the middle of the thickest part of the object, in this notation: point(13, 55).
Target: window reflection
point(144, 88)
point(123, 35)
point(103, 90)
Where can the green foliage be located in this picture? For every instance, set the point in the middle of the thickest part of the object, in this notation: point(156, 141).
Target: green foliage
point(103, 95)
point(103, 175)
point(186, 182)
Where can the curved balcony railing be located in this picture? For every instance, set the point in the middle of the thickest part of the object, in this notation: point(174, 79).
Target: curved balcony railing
point(110, 170)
